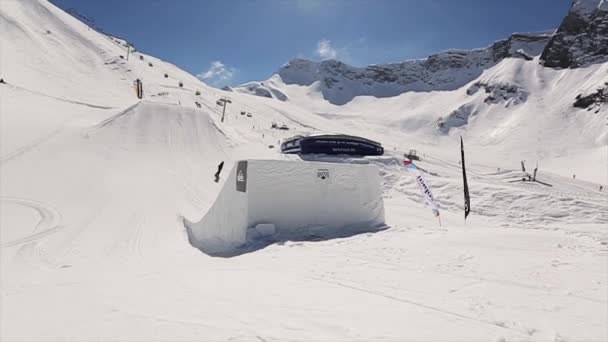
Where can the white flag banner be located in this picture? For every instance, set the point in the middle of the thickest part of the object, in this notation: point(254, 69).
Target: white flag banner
point(423, 186)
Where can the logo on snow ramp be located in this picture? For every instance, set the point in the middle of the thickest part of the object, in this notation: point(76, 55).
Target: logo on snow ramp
point(323, 174)
point(241, 176)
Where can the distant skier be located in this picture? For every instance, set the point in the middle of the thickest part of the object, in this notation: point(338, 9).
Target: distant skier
point(219, 170)
point(2, 81)
point(573, 176)
point(601, 187)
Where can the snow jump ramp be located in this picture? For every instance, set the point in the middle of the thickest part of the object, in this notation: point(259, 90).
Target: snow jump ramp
point(276, 200)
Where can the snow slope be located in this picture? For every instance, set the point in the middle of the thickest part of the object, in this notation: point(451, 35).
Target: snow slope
point(515, 110)
point(510, 100)
point(94, 184)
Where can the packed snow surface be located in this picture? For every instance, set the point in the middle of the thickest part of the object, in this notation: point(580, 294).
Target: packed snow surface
point(95, 183)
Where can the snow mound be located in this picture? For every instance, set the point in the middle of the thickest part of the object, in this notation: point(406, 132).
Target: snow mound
point(289, 200)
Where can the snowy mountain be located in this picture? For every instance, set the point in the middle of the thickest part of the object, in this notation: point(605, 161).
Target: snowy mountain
point(581, 39)
point(507, 95)
point(96, 184)
point(340, 83)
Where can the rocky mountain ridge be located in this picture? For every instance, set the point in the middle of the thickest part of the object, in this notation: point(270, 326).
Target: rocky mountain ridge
point(447, 70)
point(581, 38)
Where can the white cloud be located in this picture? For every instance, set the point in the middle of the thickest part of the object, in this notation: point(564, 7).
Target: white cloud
point(325, 50)
point(217, 73)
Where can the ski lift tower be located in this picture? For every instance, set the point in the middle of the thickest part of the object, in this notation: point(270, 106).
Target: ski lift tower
point(222, 102)
point(129, 47)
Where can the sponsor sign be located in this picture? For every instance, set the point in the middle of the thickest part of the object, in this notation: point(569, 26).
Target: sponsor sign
point(241, 176)
point(323, 174)
point(422, 185)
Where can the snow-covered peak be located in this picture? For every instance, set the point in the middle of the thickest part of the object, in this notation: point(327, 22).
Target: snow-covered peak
point(586, 8)
point(299, 71)
point(581, 38)
point(339, 82)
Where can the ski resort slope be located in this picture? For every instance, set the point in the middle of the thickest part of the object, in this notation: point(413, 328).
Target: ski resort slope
point(532, 119)
point(95, 184)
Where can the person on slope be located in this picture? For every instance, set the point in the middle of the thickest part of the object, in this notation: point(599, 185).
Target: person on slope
point(219, 170)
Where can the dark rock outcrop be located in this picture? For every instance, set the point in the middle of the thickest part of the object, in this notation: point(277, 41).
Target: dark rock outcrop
point(505, 94)
point(598, 98)
point(500, 92)
point(581, 38)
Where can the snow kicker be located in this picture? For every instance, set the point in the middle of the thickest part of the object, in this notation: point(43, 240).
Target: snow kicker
point(289, 200)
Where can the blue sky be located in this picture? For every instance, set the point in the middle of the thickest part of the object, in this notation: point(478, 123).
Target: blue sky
point(234, 41)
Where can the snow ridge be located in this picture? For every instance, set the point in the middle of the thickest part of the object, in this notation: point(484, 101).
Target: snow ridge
point(339, 83)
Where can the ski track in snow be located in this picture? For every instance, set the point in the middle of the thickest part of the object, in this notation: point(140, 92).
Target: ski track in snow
point(414, 303)
point(16, 87)
point(28, 147)
point(49, 223)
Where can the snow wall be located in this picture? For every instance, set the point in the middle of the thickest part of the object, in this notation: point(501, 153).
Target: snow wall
point(280, 200)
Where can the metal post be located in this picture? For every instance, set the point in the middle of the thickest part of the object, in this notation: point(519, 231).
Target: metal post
point(128, 50)
point(223, 110)
point(225, 101)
